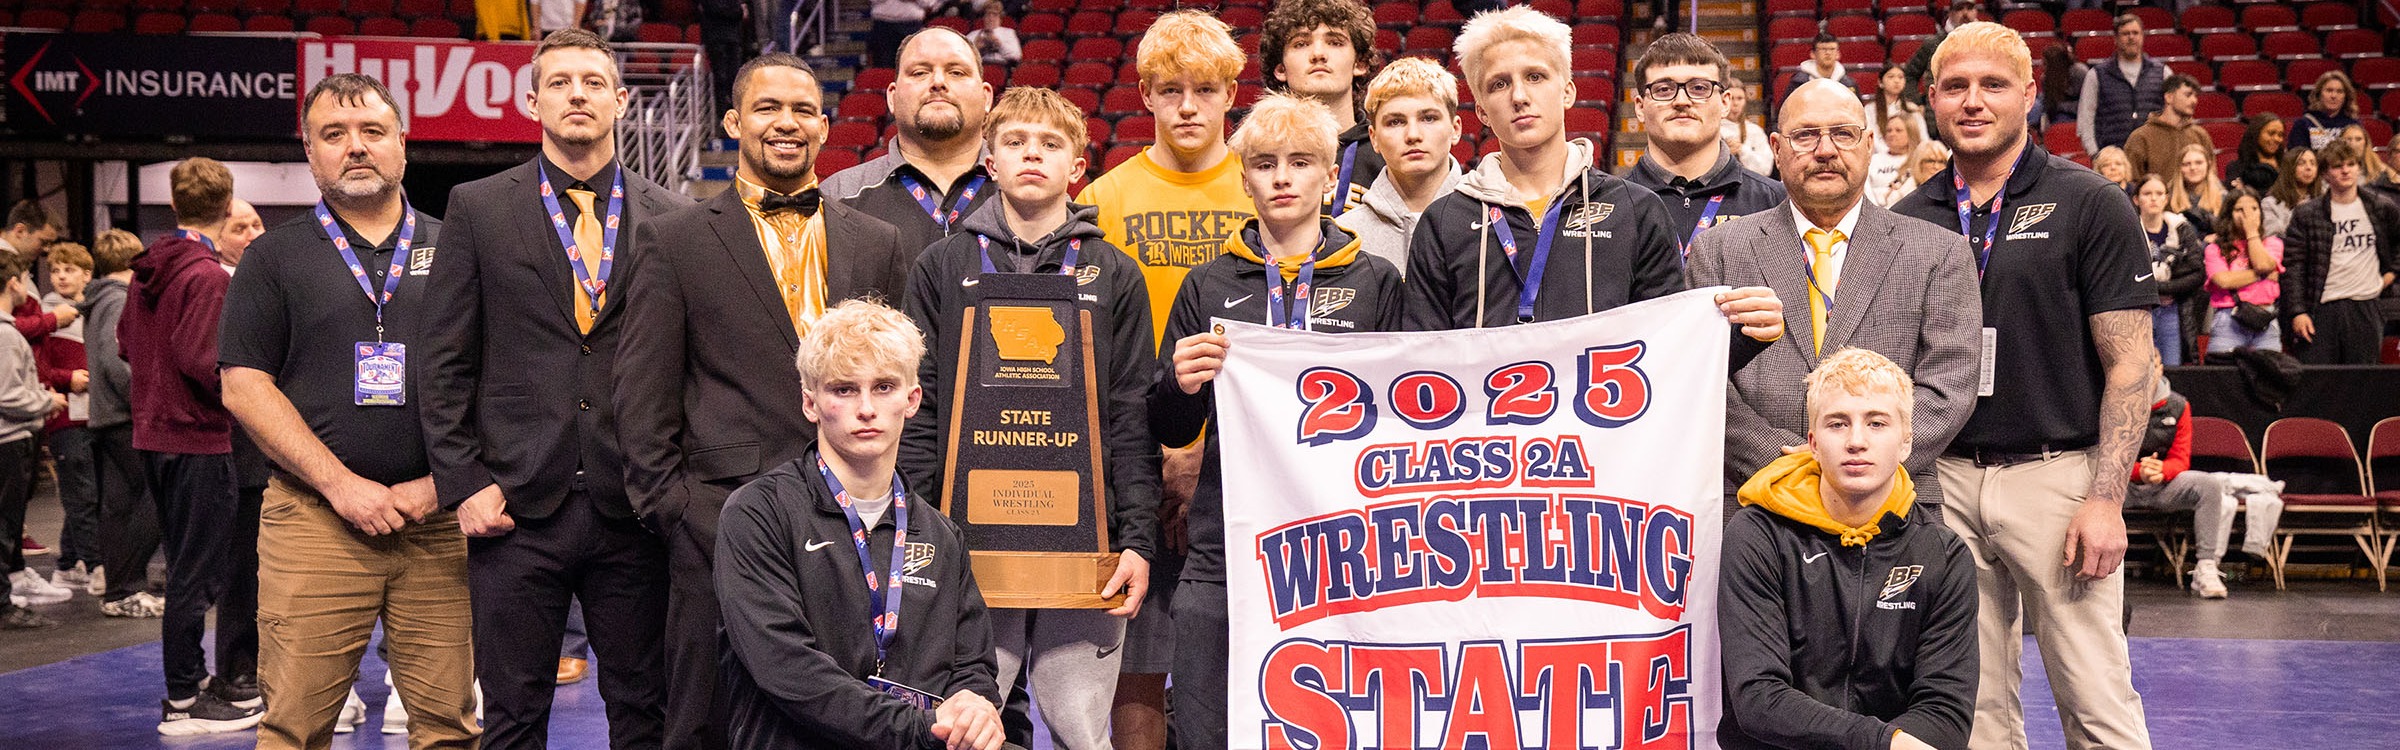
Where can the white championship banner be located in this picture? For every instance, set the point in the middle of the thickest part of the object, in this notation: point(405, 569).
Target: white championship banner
point(1495, 538)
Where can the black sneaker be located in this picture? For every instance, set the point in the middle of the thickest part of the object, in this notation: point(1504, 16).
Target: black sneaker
point(241, 692)
point(207, 714)
point(20, 618)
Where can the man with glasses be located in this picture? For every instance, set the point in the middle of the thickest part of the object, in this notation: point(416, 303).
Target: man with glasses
point(1684, 79)
point(1902, 269)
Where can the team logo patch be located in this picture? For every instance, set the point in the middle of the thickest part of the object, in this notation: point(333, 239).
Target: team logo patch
point(420, 260)
point(1589, 214)
point(920, 554)
point(2027, 216)
point(1901, 578)
point(1086, 275)
point(1330, 299)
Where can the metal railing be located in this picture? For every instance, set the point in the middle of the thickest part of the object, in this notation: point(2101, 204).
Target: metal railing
point(662, 132)
point(808, 24)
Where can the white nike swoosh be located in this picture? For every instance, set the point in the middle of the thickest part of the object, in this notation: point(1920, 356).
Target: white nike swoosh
point(2146, 276)
point(815, 545)
point(1806, 559)
point(1231, 302)
point(970, 281)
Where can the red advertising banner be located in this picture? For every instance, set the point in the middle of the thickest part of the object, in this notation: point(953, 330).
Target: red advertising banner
point(448, 90)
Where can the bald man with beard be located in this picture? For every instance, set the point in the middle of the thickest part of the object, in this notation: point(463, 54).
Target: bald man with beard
point(931, 174)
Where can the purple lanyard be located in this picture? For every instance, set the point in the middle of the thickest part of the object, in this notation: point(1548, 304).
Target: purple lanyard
point(595, 283)
point(1966, 213)
point(1529, 283)
point(1341, 193)
point(883, 601)
point(195, 236)
point(391, 277)
point(933, 204)
point(1706, 214)
point(1066, 266)
point(1278, 314)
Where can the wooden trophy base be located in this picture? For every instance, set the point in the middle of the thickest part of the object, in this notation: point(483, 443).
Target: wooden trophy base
point(1045, 580)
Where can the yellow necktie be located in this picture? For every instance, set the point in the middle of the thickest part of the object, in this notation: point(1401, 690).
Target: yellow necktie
point(587, 246)
point(1820, 245)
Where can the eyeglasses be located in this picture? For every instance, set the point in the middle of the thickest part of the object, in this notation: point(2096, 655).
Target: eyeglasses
point(1698, 88)
point(1844, 136)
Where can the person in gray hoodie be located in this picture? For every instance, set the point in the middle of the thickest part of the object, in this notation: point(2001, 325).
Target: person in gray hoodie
point(1412, 119)
point(24, 405)
point(128, 524)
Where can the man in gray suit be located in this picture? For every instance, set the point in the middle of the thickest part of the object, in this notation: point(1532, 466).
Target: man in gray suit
point(1910, 295)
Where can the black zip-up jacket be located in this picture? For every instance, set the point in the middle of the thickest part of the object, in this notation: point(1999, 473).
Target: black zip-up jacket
point(1827, 646)
point(1353, 292)
point(1745, 192)
point(1109, 284)
point(2308, 248)
point(798, 646)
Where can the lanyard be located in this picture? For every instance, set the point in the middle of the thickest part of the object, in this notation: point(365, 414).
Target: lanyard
point(933, 204)
point(1529, 283)
point(1706, 214)
point(1341, 194)
point(1966, 213)
point(1066, 266)
point(1280, 315)
point(195, 236)
point(883, 602)
point(391, 277)
point(1808, 263)
point(595, 283)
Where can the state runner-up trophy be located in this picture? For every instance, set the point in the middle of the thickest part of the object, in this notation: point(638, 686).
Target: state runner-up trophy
point(1034, 513)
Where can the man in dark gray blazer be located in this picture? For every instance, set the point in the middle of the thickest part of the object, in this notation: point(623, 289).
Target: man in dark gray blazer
point(1898, 286)
point(516, 409)
point(707, 394)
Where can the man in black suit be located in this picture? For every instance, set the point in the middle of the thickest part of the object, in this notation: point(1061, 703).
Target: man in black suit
point(517, 409)
point(716, 296)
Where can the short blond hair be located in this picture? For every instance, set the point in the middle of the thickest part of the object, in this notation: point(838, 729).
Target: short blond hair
point(70, 254)
point(859, 336)
point(1412, 76)
point(1860, 372)
point(1518, 24)
point(1984, 36)
point(1280, 122)
point(1039, 106)
point(1188, 42)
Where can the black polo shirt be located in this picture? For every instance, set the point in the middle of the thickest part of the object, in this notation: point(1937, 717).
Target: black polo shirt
point(890, 199)
point(295, 312)
point(2072, 248)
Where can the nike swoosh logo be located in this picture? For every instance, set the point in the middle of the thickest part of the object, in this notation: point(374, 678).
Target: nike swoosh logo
point(2146, 276)
point(814, 546)
point(969, 281)
point(1231, 302)
point(1806, 559)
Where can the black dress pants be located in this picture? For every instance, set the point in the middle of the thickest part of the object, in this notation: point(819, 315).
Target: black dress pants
point(523, 582)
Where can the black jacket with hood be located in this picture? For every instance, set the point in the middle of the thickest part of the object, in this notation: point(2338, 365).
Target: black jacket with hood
point(798, 646)
point(1835, 637)
point(1109, 284)
point(1354, 292)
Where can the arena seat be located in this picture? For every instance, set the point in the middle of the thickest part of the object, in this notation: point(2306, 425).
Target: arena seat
point(2249, 75)
point(2354, 44)
point(2155, 20)
point(1098, 49)
point(833, 160)
point(1596, 35)
point(2210, 19)
point(2264, 18)
point(1118, 154)
point(2031, 24)
point(2284, 104)
point(2328, 16)
point(1089, 74)
point(383, 26)
point(2291, 45)
point(1041, 25)
point(331, 26)
point(2304, 71)
point(850, 135)
point(1125, 100)
point(1084, 99)
point(158, 23)
point(2228, 46)
point(2377, 73)
point(1832, 9)
point(1135, 128)
point(1243, 18)
point(1791, 29)
point(867, 106)
point(2083, 22)
point(1442, 12)
point(1854, 28)
point(435, 27)
point(2093, 49)
point(213, 22)
point(1038, 75)
point(2324, 488)
point(317, 7)
point(2216, 106)
point(2199, 71)
point(2060, 138)
point(1806, 9)
point(269, 24)
point(2167, 47)
point(411, 9)
point(97, 22)
point(153, 6)
point(1908, 26)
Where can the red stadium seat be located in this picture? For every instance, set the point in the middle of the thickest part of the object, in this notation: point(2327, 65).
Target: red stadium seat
point(156, 6)
point(833, 160)
point(2209, 19)
point(1136, 128)
point(2354, 43)
point(2328, 17)
point(410, 8)
point(2155, 20)
point(2060, 138)
point(1090, 74)
point(996, 76)
point(1853, 28)
point(435, 27)
point(1464, 152)
point(317, 7)
point(44, 18)
point(1089, 23)
point(1135, 21)
point(1130, 72)
point(1587, 60)
point(2167, 47)
point(1555, 8)
point(1909, 26)
point(850, 135)
point(1433, 39)
point(332, 26)
point(2265, 18)
point(115, 5)
point(2379, 132)
point(2383, 464)
point(1118, 154)
point(2093, 49)
point(1083, 98)
point(2216, 106)
point(2391, 105)
point(269, 24)
point(2226, 135)
point(1243, 18)
point(2222, 47)
point(873, 79)
point(363, 9)
point(1047, 51)
point(385, 26)
point(1036, 75)
point(953, 23)
point(2284, 104)
point(97, 22)
point(1604, 10)
point(2083, 22)
point(1125, 100)
point(2199, 71)
point(1387, 39)
point(658, 33)
point(1442, 12)
point(1792, 9)
point(1595, 35)
point(1041, 25)
point(1788, 29)
point(256, 8)
point(2291, 45)
point(213, 22)
point(226, 7)
point(1582, 120)
point(1052, 6)
point(2249, 75)
point(2032, 24)
point(1594, 91)
point(866, 106)
point(158, 23)
point(1098, 49)
point(2377, 73)
point(1906, 49)
point(1833, 8)
point(1785, 56)
point(2304, 71)
point(1397, 15)
point(1865, 56)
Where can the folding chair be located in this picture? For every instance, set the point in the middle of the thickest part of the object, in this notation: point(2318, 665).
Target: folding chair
point(2383, 479)
point(2324, 489)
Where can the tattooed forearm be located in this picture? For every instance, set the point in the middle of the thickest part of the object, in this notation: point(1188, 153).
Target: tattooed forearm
point(2129, 358)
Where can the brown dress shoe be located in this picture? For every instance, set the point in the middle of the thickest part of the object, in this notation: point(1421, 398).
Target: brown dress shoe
point(571, 670)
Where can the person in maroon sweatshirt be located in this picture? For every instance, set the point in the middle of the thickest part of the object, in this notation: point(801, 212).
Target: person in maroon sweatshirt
point(185, 435)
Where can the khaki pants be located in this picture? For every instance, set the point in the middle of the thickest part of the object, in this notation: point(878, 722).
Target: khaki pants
point(321, 587)
point(2014, 519)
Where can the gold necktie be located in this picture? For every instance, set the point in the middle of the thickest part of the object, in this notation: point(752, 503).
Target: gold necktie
point(1820, 245)
point(587, 246)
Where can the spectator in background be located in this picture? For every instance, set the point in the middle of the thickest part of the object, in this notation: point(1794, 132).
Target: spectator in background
point(2111, 163)
point(2157, 146)
point(2391, 159)
point(31, 229)
point(2197, 194)
point(62, 367)
point(1749, 141)
point(1888, 176)
point(1930, 158)
point(2332, 105)
point(1891, 100)
point(23, 406)
point(2255, 159)
point(1962, 12)
point(1824, 61)
point(2373, 176)
point(2062, 77)
point(2174, 264)
point(2343, 249)
point(894, 21)
point(128, 520)
point(2295, 183)
point(241, 226)
point(2243, 268)
point(996, 41)
point(2119, 96)
point(2163, 480)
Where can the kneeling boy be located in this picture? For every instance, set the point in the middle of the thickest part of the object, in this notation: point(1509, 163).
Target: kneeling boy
point(847, 615)
point(1845, 625)
point(1320, 279)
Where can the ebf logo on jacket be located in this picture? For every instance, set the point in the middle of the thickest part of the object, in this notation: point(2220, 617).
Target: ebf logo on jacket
point(1897, 584)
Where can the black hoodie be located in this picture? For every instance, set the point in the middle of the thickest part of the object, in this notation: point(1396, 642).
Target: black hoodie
point(1109, 284)
point(1353, 292)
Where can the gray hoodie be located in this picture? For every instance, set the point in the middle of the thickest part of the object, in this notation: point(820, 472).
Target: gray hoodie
point(1382, 221)
point(24, 403)
point(103, 304)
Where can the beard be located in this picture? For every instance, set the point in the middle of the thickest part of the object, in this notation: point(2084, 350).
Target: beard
point(343, 187)
point(754, 152)
point(941, 126)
